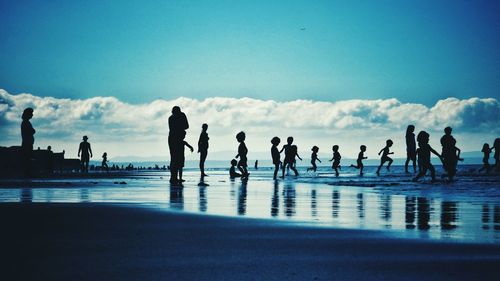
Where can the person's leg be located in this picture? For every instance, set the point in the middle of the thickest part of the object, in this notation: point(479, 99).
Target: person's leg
point(203, 157)
point(276, 168)
point(361, 166)
point(380, 166)
point(283, 168)
point(389, 165)
point(294, 170)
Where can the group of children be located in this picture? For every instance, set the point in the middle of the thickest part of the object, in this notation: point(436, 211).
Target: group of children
point(449, 156)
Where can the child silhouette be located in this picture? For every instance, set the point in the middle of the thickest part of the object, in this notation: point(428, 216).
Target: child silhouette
point(496, 147)
point(336, 159)
point(411, 148)
point(242, 154)
point(275, 155)
point(359, 161)
point(314, 157)
point(290, 153)
point(385, 158)
point(104, 163)
point(486, 158)
point(424, 156)
point(232, 171)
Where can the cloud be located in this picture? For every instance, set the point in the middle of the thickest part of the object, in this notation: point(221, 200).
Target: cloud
point(112, 121)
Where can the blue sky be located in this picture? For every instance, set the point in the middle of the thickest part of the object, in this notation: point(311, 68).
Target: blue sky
point(138, 51)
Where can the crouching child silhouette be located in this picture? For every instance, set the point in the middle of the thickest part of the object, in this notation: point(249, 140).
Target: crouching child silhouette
point(424, 156)
point(232, 171)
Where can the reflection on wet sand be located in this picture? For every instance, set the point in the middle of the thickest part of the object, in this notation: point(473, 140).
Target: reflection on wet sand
point(176, 197)
point(410, 208)
point(314, 207)
point(335, 203)
point(202, 199)
point(275, 201)
point(449, 215)
point(289, 199)
point(242, 198)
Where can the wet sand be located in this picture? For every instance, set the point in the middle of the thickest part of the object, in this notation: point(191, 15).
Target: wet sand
point(88, 241)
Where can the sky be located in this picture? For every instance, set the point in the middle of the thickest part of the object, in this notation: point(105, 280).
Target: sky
point(332, 54)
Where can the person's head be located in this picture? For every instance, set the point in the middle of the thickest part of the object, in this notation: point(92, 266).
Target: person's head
point(335, 148)
point(423, 137)
point(289, 140)
point(363, 148)
point(27, 113)
point(410, 129)
point(496, 144)
point(234, 162)
point(389, 143)
point(486, 147)
point(176, 110)
point(49, 148)
point(240, 137)
point(275, 141)
point(447, 130)
point(85, 138)
point(315, 149)
point(204, 127)
point(105, 154)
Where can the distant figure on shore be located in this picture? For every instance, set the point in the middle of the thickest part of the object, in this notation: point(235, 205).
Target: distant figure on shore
point(256, 165)
point(242, 154)
point(232, 171)
point(496, 147)
point(336, 159)
point(104, 163)
point(359, 161)
point(411, 148)
point(314, 157)
point(424, 156)
point(86, 152)
point(182, 158)
point(290, 152)
point(486, 158)
point(177, 125)
point(28, 139)
point(203, 148)
point(275, 155)
point(449, 153)
point(385, 158)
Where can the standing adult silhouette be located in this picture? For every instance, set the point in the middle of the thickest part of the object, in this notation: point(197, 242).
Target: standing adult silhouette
point(203, 148)
point(177, 125)
point(28, 139)
point(86, 152)
point(411, 148)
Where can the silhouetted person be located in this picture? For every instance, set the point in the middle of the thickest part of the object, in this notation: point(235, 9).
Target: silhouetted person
point(182, 158)
point(424, 156)
point(411, 148)
point(104, 163)
point(314, 157)
point(177, 124)
point(275, 155)
point(486, 158)
point(50, 160)
point(232, 171)
point(385, 158)
point(449, 153)
point(203, 148)
point(359, 161)
point(86, 152)
point(242, 154)
point(28, 139)
point(496, 147)
point(336, 159)
point(290, 153)
point(256, 165)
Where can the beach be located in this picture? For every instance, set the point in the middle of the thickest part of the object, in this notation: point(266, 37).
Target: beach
point(136, 226)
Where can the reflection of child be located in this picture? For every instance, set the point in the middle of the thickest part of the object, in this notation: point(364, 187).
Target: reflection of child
point(385, 158)
point(424, 156)
point(104, 163)
point(242, 154)
point(314, 157)
point(276, 155)
point(232, 171)
point(336, 159)
point(359, 161)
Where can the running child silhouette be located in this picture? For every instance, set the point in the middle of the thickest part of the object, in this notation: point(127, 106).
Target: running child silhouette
point(359, 161)
point(290, 153)
point(232, 171)
point(242, 154)
point(336, 159)
point(385, 158)
point(424, 156)
point(314, 157)
point(486, 158)
point(104, 163)
point(275, 155)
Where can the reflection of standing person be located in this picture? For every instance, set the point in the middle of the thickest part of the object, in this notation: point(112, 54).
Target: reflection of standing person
point(449, 153)
point(177, 125)
point(411, 148)
point(86, 153)
point(28, 139)
point(203, 148)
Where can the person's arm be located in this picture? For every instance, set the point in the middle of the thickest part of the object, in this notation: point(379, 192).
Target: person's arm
point(318, 160)
point(435, 152)
point(381, 151)
point(283, 148)
point(390, 153)
point(296, 153)
point(333, 157)
point(188, 145)
point(199, 144)
point(79, 149)
point(90, 150)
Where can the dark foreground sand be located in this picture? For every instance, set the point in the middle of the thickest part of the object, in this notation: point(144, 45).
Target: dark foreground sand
point(103, 242)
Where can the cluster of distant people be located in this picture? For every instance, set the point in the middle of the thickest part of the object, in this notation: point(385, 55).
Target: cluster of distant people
point(178, 124)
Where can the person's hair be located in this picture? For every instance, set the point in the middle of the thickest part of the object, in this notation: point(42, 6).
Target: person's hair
point(423, 136)
point(335, 147)
point(315, 148)
point(234, 162)
point(176, 109)
point(486, 147)
point(289, 139)
point(275, 140)
point(27, 112)
point(240, 136)
point(448, 130)
point(363, 147)
point(204, 126)
point(496, 143)
point(410, 129)
point(388, 142)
